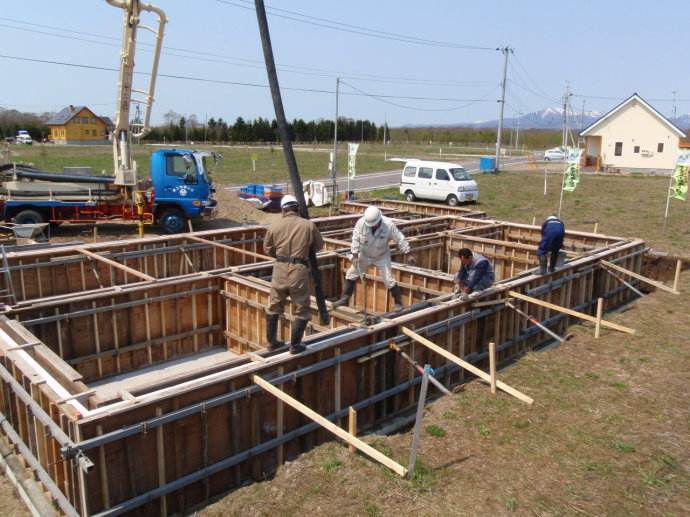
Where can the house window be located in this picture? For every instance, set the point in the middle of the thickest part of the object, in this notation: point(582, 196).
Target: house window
point(660, 147)
point(619, 149)
point(636, 149)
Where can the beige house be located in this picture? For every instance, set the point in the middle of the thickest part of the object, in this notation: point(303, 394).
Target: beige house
point(632, 136)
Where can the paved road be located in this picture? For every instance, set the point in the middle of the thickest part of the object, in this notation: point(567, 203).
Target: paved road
point(391, 178)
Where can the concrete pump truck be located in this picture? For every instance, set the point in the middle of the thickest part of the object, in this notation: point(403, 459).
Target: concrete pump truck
point(179, 187)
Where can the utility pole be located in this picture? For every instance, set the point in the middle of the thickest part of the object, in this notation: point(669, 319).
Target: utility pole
point(675, 107)
point(385, 127)
point(502, 102)
point(287, 149)
point(517, 131)
point(361, 137)
point(566, 100)
point(334, 172)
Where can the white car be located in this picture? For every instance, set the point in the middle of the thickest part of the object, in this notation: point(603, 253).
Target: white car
point(440, 181)
point(557, 153)
point(23, 137)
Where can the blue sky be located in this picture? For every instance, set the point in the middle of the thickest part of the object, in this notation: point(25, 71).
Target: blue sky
point(604, 49)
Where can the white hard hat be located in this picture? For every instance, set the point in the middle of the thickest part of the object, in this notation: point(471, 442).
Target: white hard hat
point(372, 216)
point(288, 200)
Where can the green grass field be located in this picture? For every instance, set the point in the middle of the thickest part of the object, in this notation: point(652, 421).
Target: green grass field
point(236, 167)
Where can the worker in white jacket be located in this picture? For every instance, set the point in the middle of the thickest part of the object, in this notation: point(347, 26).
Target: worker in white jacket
point(370, 247)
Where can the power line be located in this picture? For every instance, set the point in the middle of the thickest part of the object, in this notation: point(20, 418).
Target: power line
point(353, 29)
point(384, 99)
point(232, 83)
point(233, 60)
point(527, 75)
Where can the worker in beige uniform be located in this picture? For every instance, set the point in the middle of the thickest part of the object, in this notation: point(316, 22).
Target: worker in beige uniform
point(370, 247)
point(289, 241)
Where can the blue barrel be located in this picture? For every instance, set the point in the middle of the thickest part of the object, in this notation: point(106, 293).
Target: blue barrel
point(487, 163)
point(259, 190)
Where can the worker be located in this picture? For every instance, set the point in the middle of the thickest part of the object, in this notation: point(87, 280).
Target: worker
point(476, 272)
point(552, 233)
point(370, 247)
point(289, 240)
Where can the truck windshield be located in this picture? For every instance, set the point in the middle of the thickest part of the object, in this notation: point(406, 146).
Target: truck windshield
point(209, 164)
point(460, 174)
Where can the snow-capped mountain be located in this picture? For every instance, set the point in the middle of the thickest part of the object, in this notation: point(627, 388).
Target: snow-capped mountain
point(548, 118)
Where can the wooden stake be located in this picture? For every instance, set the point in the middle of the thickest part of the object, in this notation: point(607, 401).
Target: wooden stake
point(600, 311)
point(641, 278)
point(596, 227)
point(418, 421)
point(352, 425)
point(571, 312)
point(492, 366)
point(534, 220)
point(676, 279)
point(330, 426)
point(467, 366)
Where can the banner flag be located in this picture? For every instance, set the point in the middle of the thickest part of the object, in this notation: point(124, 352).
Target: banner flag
point(351, 159)
point(679, 188)
point(572, 173)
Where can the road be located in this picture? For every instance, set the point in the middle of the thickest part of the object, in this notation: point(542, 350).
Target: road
point(391, 178)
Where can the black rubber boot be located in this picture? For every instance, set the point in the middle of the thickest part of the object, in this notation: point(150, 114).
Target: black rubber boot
point(543, 260)
point(298, 327)
point(553, 261)
point(397, 297)
point(272, 332)
point(348, 289)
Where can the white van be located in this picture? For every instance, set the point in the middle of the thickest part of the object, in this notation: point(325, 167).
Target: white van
point(23, 137)
point(442, 181)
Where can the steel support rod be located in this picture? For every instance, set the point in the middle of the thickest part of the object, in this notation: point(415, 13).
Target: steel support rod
point(67, 445)
point(295, 179)
point(36, 466)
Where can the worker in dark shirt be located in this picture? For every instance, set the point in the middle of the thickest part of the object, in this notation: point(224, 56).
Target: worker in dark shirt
point(552, 233)
point(476, 272)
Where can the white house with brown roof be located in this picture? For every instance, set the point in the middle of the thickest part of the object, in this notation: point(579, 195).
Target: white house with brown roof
point(632, 136)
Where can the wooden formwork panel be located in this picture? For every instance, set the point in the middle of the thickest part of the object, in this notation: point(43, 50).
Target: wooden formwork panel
point(65, 270)
point(123, 331)
point(427, 209)
point(573, 241)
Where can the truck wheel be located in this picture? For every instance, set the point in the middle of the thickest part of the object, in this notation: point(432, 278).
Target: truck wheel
point(173, 221)
point(452, 200)
point(28, 217)
point(409, 195)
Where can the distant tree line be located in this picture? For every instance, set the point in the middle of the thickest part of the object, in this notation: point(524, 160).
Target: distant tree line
point(462, 136)
point(178, 128)
point(12, 121)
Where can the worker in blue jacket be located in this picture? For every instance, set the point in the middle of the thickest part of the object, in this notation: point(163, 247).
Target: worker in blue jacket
point(476, 272)
point(552, 233)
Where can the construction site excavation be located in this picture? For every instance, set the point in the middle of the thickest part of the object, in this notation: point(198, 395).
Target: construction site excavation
point(136, 378)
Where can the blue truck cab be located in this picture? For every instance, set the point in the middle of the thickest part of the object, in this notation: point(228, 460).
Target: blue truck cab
point(182, 186)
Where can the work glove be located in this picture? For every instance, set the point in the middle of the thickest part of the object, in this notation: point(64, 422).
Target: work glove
point(411, 260)
point(456, 289)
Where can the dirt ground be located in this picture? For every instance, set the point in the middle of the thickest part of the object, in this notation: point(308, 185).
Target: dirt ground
point(607, 435)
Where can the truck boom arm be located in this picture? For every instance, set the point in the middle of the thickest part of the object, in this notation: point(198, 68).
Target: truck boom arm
point(125, 166)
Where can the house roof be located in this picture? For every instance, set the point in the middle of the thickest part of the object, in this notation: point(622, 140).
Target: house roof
point(632, 98)
point(66, 114)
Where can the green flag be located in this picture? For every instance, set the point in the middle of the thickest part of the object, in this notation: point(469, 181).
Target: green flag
point(572, 173)
point(679, 189)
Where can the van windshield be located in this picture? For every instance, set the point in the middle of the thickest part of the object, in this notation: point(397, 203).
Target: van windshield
point(460, 174)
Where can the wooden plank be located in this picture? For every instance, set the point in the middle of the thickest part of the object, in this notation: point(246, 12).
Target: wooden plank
point(467, 366)
point(639, 277)
point(115, 264)
point(565, 310)
point(330, 426)
point(226, 247)
point(676, 278)
point(160, 459)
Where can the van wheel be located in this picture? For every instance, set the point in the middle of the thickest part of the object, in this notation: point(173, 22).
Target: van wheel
point(172, 221)
point(409, 195)
point(452, 200)
point(28, 217)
